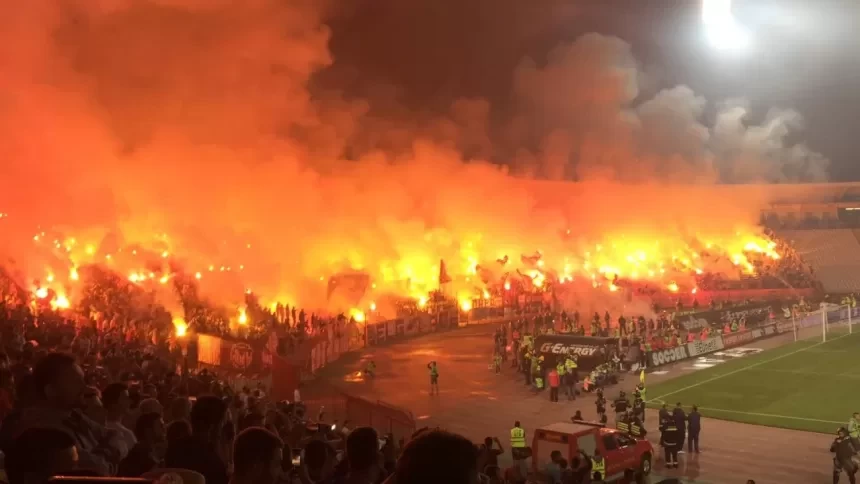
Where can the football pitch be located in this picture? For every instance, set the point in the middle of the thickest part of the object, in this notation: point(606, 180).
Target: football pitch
point(807, 385)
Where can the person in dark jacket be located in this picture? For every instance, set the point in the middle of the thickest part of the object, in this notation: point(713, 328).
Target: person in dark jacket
point(664, 415)
point(843, 453)
point(148, 453)
point(200, 451)
point(694, 420)
point(680, 419)
point(671, 442)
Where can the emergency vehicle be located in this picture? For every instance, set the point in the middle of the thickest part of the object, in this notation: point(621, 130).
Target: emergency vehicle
point(619, 450)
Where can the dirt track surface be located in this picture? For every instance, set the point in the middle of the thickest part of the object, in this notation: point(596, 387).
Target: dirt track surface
point(477, 403)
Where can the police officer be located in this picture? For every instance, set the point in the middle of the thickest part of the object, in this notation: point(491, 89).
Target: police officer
point(843, 453)
point(670, 442)
point(620, 405)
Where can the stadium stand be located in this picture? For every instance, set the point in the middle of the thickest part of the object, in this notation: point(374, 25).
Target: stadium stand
point(834, 255)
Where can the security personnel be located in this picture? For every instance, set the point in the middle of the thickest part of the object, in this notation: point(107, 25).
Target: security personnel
point(843, 454)
point(600, 403)
point(640, 389)
point(598, 464)
point(637, 428)
point(854, 430)
point(664, 415)
point(519, 452)
point(734, 326)
point(623, 424)
point(639, 408)
point(518, 436)
point(561, 369)
point(670, 441)
point(570, 363)
point(620, 405)
point(434, 377)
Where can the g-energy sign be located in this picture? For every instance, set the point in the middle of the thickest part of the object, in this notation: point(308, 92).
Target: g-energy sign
point(568, 349)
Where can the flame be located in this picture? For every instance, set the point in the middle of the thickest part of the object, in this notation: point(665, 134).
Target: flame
point(180, 327)
point(372, 306)
point(42, 292)
point(243, 316)
point(60, 302)
point(465, 305)
point(422, 302)
point(357, 315)
point(673, 287)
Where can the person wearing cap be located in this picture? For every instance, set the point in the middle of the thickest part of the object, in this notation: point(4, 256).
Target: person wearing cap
point(843, 453)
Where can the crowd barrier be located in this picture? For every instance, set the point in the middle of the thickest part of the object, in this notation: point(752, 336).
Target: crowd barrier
point(342, 407)
point(725, 341)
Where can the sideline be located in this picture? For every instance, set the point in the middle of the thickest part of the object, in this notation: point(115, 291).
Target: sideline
point(745, 368)
point(770, 415)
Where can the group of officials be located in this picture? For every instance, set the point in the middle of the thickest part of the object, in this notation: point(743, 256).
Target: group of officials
point(674, 427)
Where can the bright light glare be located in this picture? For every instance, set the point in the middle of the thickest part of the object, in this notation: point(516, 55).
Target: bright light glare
point(721, 28)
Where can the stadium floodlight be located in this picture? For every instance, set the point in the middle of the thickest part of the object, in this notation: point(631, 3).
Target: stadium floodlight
point(721, 28)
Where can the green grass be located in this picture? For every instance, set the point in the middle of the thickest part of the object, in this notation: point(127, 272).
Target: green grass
point(807, 385)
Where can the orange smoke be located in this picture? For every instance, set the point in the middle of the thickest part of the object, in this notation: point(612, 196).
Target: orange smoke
point(179, 136)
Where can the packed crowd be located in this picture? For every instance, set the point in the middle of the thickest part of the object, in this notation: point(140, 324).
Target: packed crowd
point(788, 270)
point(57, 420)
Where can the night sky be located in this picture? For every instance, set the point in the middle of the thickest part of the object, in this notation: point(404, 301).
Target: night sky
point(426, 53)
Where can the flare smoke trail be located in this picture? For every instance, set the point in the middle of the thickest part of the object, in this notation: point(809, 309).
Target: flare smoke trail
point(196, 128)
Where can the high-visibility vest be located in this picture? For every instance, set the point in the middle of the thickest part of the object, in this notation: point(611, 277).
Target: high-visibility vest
point(622, 426)
point(560, 369)
point(518, 437)
point(853, 429)
point(598, 465)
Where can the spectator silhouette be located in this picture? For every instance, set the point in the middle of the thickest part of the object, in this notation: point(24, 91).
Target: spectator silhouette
point(178, 430)
point(116, 404)
point(148, 452)
point(199, 452)
point(38, 454)
point(363, 457)
point(318, 461)
point(437, 456)
point(257, 457)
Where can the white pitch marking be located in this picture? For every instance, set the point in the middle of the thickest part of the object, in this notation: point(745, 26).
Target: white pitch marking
point(757, 414)
point(745, 368)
